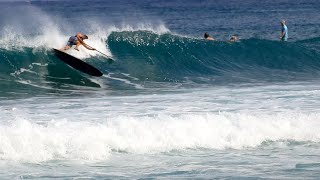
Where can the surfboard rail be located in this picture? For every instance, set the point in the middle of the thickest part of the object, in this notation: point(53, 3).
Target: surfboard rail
point(77, 63)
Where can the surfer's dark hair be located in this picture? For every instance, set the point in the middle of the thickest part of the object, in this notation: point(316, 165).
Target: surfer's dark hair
point(206, 35)
point(85, 37)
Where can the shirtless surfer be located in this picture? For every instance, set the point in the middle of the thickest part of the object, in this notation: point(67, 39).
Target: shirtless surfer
point(77, 40)
point(234, 38)
point(207, 36)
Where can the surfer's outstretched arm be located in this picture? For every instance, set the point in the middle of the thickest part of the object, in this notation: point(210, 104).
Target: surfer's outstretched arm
point(88, 47)
point(81, 38)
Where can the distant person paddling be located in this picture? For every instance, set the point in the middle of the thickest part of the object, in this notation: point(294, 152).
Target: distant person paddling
point(77, 40)
point(234, 38)
point(284, 31)
point(207, 36)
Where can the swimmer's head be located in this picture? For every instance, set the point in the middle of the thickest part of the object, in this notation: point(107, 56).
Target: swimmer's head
point(283, 22)
point(234, 37)
point(206, 35)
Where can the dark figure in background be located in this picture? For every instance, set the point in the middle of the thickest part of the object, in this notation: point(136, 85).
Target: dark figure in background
point(284, 31)
point(234, 38)
point(207, 36)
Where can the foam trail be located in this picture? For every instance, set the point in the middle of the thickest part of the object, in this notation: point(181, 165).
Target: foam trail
point(137, 86)
point(63, 139)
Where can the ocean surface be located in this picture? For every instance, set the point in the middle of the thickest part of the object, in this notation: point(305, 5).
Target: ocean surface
point(172, 105)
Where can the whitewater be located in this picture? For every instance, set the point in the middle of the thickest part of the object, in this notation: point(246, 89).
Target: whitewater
point(171, 105)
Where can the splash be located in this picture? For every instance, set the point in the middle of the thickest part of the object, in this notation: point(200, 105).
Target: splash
point(63, 139)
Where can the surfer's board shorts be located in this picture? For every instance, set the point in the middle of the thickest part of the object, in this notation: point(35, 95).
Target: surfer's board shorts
point(72, 41)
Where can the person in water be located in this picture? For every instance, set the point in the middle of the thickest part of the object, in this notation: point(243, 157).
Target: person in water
point(77, 40)
point(207, 36)
point(284, 31)
point(234, 38)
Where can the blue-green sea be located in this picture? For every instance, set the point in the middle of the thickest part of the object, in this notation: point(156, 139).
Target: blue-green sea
point(171, 105)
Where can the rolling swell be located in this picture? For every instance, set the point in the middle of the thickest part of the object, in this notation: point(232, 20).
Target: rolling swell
point(175, 58)
point(151, 57)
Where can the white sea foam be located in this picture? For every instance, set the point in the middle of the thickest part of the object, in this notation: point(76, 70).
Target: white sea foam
point(33, 28)
point(22, 140)
point(126, 81)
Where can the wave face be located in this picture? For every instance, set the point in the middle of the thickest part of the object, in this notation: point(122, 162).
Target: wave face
point(145, 56)
point(203, 109)
point(171, 57)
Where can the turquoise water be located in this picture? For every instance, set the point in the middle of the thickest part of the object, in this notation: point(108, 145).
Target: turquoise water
point(172, 105)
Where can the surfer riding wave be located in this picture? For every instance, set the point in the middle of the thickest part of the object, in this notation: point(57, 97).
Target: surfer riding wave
point(77, 40)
